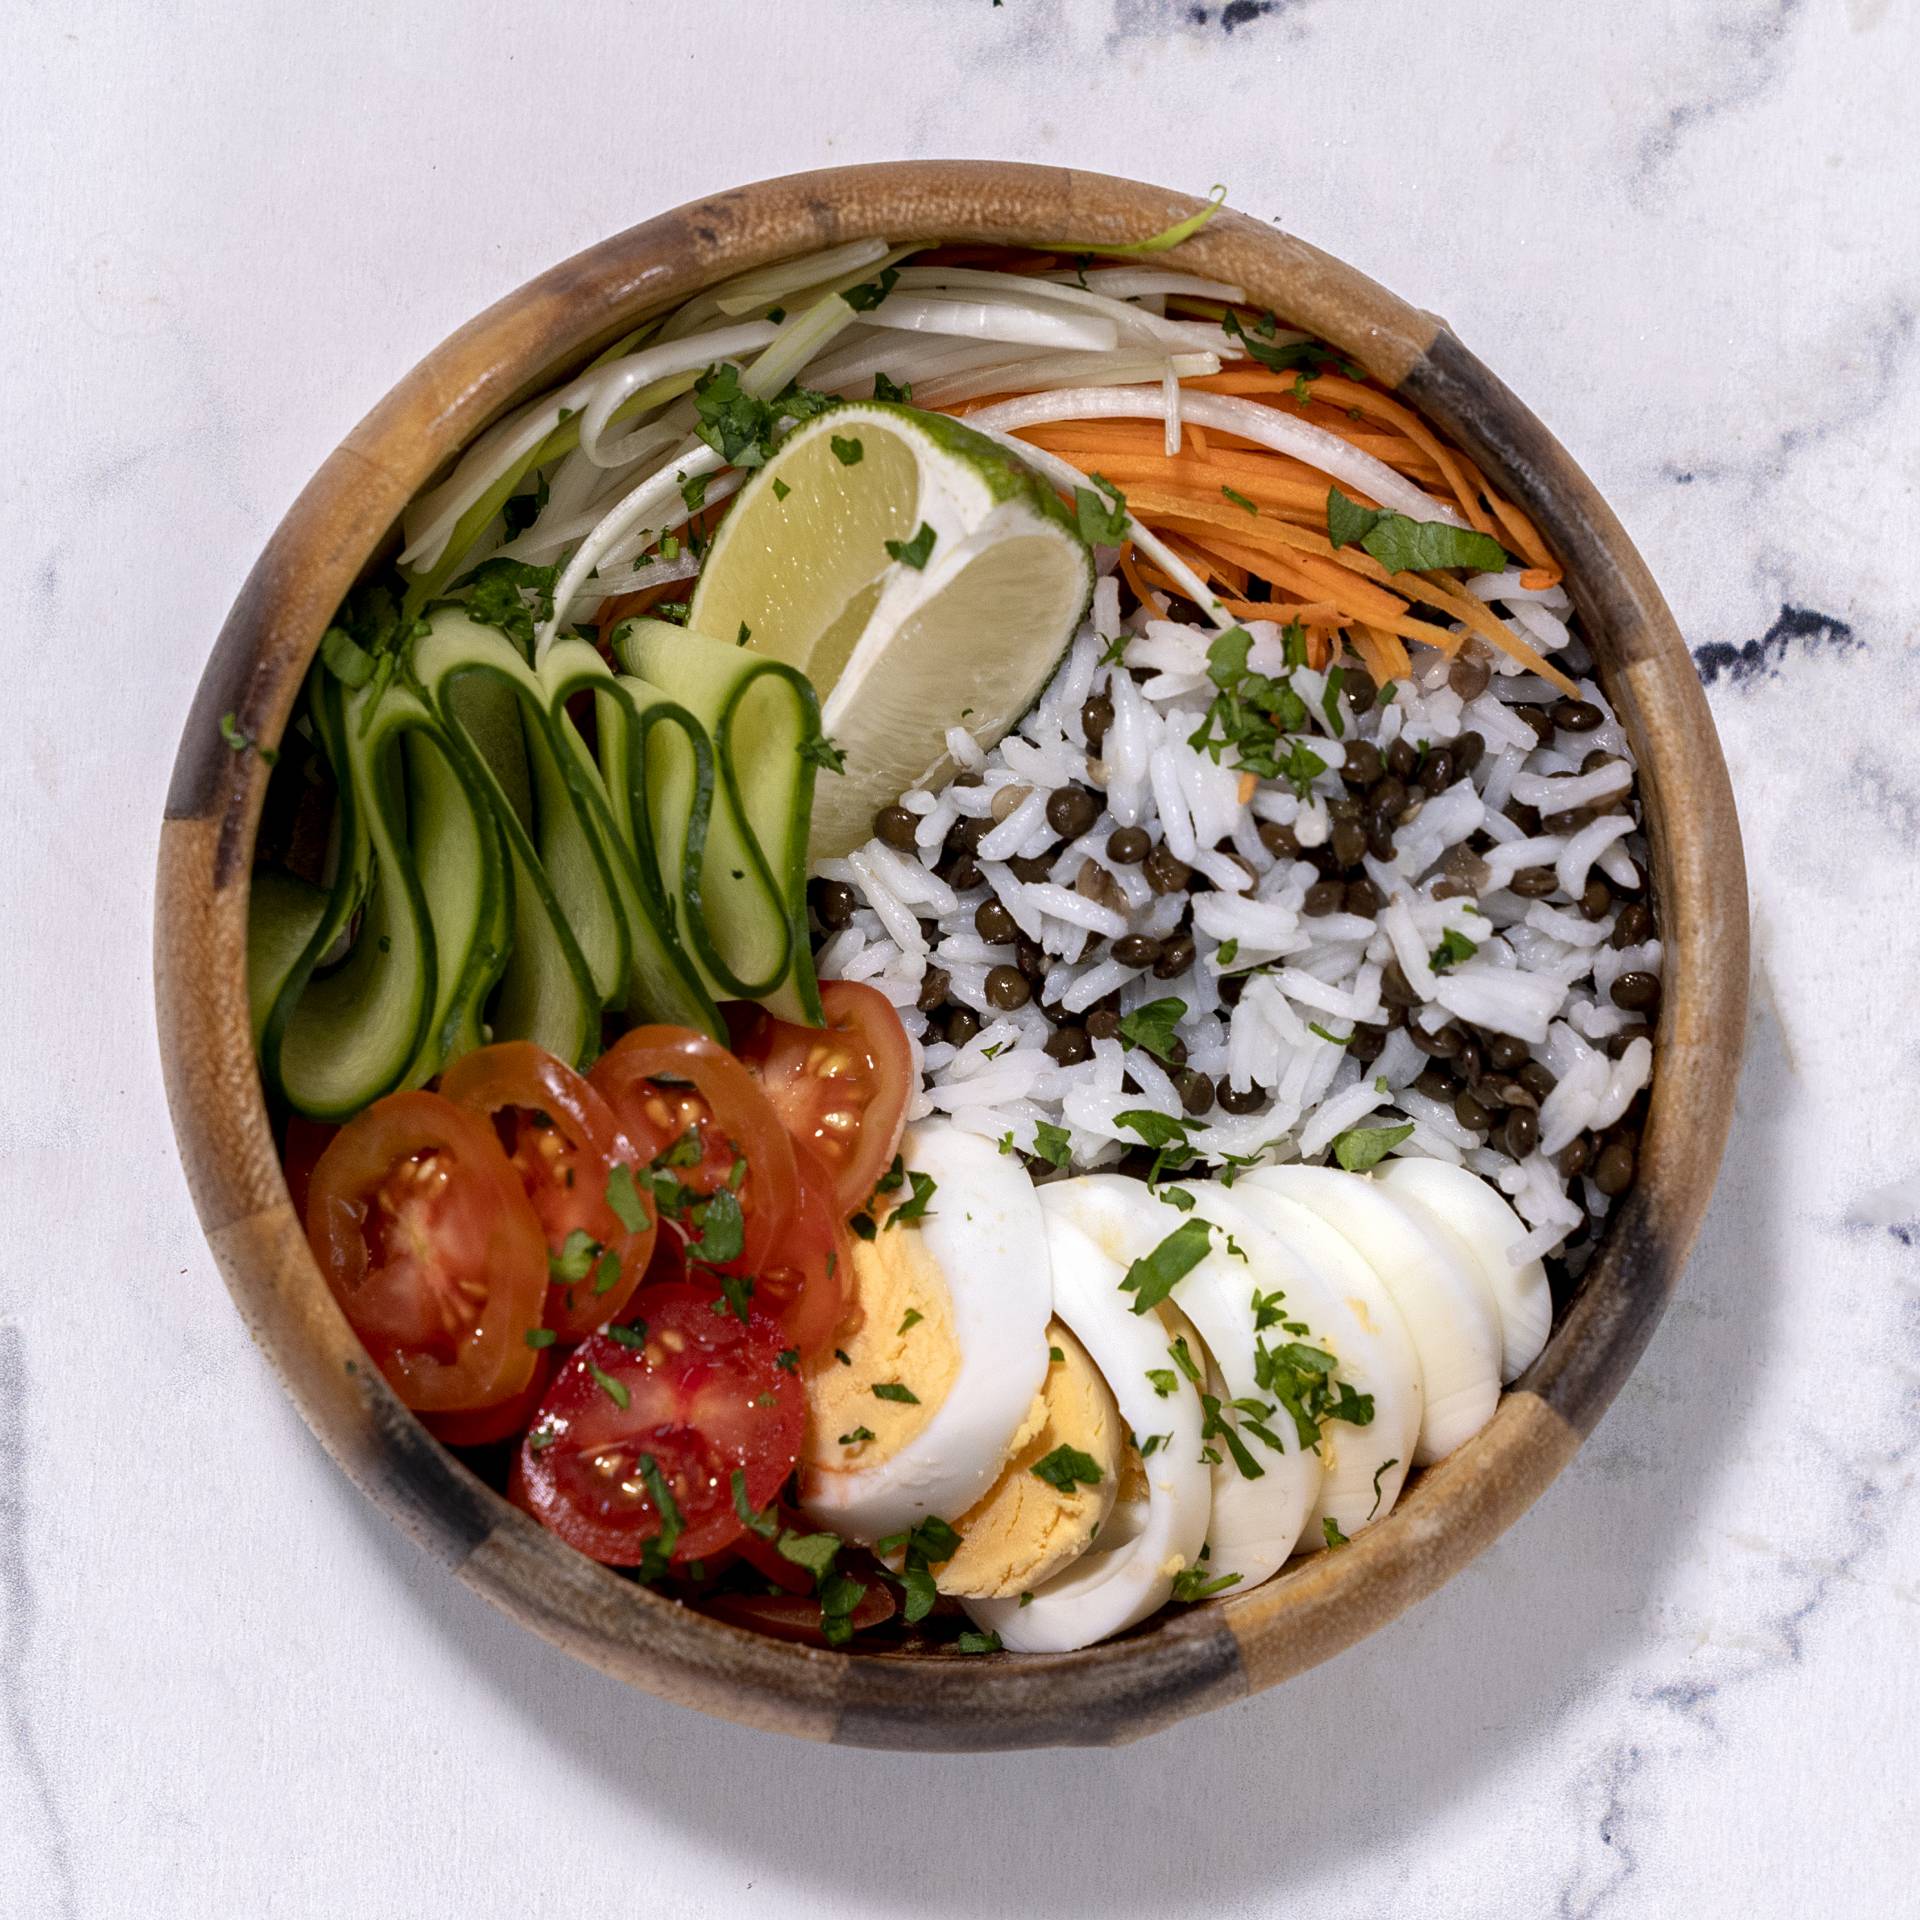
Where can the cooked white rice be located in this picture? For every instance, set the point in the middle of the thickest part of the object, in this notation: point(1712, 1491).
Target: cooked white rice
point(1540, 972)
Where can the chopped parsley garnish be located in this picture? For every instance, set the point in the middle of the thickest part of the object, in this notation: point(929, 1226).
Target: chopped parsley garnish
point(241, 741)
point(913, 553)
point(1453, 948)
point(624, 1197)
point(766, 1525)
point(1330, 701)
point(1332, 1039)
point(1215, 1426)
point(612, 1388)
point(1154, 1276)
point(1300, 1378)
point(1152, 1026)
point(893, 1390)
point(658, 1550)
point(722, 1227)
point(1360, 1148)
point(736, 1293)
point(780, 488)
point(1192, 1583)
point(541, 1337)
point(1259, 341)
point(847, 452)
point(922, 1546)
point(1331, 1534)
point(1103, 522)
point(1380, 1473)
point(1402, 545)
point(1239, 500)
point(1227, 952)
point(973, 1641)
point(1253, 713)
point(575, 1259)
point(1267, 1310)
point(1050, 1143)
point(1177, 1198)
point(737, 425)
point(1067, 1467)
point(632, 1335)
point(839, 1595)
point(1163, 1380)
point(1166, 1135)
point(869, 293)
point(911, 1212)
point(1055, 1355)
point(885, 389)
point(820, 752)
point(856, 1437)
point(787, 1359)
point(814, 1551)
point(840, 1354)
point(693, 490)
point(606, 1273)
point(910, 1319)
point(496, 597)
point(1182, 1357)
point(740, 639)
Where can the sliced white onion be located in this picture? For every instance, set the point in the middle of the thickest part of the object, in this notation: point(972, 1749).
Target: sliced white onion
point(1263, 425)
point(765, 285)
point(618, 382)
point(1030, 326)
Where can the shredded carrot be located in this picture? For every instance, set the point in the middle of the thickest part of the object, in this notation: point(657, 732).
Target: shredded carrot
point(1198, 435)
point(1130, 573)
point(1248, 787)
point(1539, 579)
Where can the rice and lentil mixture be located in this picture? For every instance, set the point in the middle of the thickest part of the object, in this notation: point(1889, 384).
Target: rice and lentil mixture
point(1431, 928)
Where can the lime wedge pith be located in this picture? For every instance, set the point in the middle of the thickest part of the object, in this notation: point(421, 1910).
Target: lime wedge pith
point(898, 653)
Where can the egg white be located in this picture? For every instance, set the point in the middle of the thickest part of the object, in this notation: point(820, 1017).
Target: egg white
point(1129, 1570)
point(1329, 1287)
point(1442, 1295)
point(1476, 1211)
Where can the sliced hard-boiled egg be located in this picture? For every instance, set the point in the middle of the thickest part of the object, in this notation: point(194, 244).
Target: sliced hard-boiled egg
point(1044, 1511)
point(1128, 1221)
point(1158, 1525)
point(1442, 1295)
point(941, 1375)
point(1478, 1213)
point(1311, 1277)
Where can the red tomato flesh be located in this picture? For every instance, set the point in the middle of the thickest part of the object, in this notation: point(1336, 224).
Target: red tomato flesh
point(564, 1142)
point(841, 1089)
point(430, 1246)
point(701, 1396)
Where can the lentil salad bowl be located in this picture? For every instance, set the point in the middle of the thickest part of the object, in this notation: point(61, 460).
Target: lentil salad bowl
point(1675, 875)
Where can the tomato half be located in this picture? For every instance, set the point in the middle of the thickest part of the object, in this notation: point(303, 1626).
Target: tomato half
point(804, 1281)
point(789, 1616)
point(564, 1143)
point(432, 1249)
point(666, 1083)
point(842, 1089)
point(482, 1426)
point(700, 1396)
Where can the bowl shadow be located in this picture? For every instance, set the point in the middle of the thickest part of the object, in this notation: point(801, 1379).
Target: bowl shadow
point(1357, 1755)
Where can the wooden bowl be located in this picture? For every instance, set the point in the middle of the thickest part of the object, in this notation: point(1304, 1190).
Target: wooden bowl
point(1177, 1663)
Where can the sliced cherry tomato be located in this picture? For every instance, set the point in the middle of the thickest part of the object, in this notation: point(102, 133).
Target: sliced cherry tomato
point(789, 1616)
point(432, 1249)
point(805, 1280)
point(665, 1084)
point(307, 1140)
point(700, 1396)
point(564, 1143)
point(482, 1426)
point(842, 1089)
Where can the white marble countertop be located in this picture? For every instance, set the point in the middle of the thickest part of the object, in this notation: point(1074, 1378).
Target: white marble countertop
point(1689, 1681)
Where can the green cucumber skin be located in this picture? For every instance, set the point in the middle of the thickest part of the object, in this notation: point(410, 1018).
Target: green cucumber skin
point(359, 738)
point(664, 983)
point(717, 678)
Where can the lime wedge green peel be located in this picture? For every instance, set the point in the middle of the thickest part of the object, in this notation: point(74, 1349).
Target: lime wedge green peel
point(928, 577)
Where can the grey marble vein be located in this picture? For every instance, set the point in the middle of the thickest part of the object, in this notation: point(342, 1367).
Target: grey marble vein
point(45, 1830)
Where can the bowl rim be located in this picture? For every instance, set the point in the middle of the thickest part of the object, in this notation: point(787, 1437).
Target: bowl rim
point(1181, 1663)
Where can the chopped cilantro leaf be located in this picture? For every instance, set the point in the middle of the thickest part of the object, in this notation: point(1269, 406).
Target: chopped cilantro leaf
point(780, 488)
point(787, 1359)
point(764, 1524)
point(1050, 1144)
point(1154, 1276)
point(910, 1319)
point(1239, 500)
point(624, 1198)
point(975, 1642)
point(1102, 522)
point(1152, 1026)
point(1403, 545)
point(612, 1388)
point(693, 490)
point(1362, 1147)
point(737, 425)
point(1379, 1474)
point(911, 1212)
point(1067, 1467)
point(1177, 1197)
point(814, 1551)
point(1191, 1584)
point(575, 1259)
point(848, 452)
point(869, 293)
point(893, 1390)
point(856, 1437)
point(541, 1337)
point(819, 751)
point(1331, 1534)
point(1163, 1380)
point(885, 389)
point(1453, 948)
point(913, 553)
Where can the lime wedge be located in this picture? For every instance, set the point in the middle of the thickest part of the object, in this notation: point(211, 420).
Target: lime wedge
point(916, 573)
